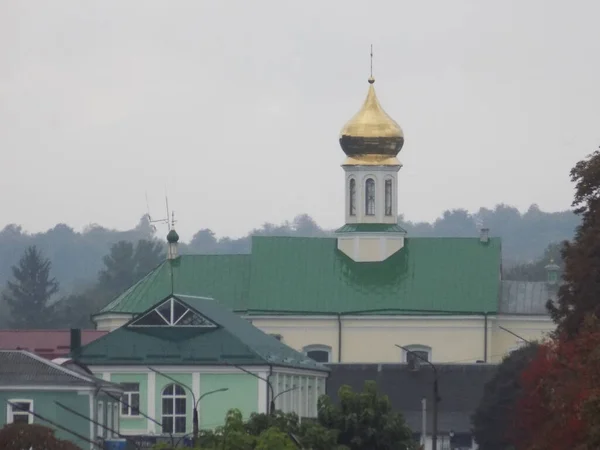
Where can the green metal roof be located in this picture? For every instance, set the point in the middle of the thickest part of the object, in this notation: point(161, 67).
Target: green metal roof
point(293, 274)
point(234, 341)
point(371, 228)
point(224, 277)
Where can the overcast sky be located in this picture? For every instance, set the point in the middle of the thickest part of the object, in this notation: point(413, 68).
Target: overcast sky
point(234, 107)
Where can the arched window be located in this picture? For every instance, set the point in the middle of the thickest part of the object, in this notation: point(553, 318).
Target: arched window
point(173, 409)
point(388, 197)
point(416, 354)
point(352, 196)
point(318, 353)
point(370, 197)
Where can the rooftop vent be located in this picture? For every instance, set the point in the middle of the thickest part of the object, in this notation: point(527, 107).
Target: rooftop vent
point(484, 235)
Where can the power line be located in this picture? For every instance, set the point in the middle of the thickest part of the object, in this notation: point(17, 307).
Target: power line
point(54, 424)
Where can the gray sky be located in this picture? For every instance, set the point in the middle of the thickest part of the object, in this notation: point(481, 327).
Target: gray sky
point(235, 106)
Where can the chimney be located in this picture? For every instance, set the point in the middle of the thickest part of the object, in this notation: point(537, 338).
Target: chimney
point(172, 239)
point(75, 342)
point(484, 235)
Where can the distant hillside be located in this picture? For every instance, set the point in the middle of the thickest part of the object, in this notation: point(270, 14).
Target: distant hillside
point(77, 257)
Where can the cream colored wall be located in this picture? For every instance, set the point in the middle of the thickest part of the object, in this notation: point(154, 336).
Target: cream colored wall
point(530, 328)
point(370, 248)
point(371, 340)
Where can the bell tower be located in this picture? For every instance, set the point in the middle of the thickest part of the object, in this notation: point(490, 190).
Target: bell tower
point(371, 141)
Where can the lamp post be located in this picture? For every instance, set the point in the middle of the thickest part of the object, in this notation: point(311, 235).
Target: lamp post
point(436, 396)
point(195, 427)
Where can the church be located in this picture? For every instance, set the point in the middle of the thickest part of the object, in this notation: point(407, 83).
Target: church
point(369, 294)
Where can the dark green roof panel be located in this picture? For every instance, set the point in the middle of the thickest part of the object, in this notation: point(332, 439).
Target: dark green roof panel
point(371, 228)
point(312, 275)
point(234, 342)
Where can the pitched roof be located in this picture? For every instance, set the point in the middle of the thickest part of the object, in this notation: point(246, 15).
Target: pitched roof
point(49, 344)
point(234, 341)
point(525, 297)
point(21, 368)
point(312, 275)
point(461, 387)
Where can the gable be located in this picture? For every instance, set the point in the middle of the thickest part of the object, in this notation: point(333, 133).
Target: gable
point(172, 313)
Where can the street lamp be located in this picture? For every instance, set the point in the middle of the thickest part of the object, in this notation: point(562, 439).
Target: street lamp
point(195, 427)
point(436, 396)
point(293, 388)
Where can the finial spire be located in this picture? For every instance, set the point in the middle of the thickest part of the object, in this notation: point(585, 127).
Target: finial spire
point(371, 79)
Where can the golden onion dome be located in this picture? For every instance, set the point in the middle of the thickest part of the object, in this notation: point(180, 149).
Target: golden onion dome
point(371, 131)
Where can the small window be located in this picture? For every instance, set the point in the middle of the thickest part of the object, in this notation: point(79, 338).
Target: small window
point(116, 418)
point(109, 410)
point(172, 313)
point(352, 196)
point(370, 197)
point(417, 354)
point(318, 353)
point(130, 407)
point(18, 411)
point(174, 409)
point(388, 197)
point(100, 419)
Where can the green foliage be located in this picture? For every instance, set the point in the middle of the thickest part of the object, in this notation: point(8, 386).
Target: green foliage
point(126, 264)
point(77, 256)
point(33, 437)
point(493, 420)
point(28, 296)
point(365, 420)
point(579, 294)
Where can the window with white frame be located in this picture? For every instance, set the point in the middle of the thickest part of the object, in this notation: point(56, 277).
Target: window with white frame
point(319, 353)
point(173, 409)
point(416, 354)
point(116, 417)
point(18, 411)
point(370, 197)
point(352, 196)
point(172, 313)
point(388, 197)
point(100, 419)
point(130, 407)
point(109, 410)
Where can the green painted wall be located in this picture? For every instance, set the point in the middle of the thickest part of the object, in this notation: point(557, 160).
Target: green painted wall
point(44, 404)
point(138, 423)
point(161, 383)
point(242, 394)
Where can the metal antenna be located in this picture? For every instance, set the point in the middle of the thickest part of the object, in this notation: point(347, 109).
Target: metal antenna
point(167, 203)
point(371, 60)
point(152, 222)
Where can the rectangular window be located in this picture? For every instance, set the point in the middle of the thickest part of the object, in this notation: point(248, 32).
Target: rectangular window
point(109, 408)
point(116, 417)
point(131, 400)
point(100, 419)
point(18, 411)
point(388, 197)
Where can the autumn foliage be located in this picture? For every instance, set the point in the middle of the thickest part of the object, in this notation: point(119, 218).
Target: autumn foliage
point(560, 401)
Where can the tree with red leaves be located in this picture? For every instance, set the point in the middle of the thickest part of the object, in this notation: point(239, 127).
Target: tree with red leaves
point(560, 402)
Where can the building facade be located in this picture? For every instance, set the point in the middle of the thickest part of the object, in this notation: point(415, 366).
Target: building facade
point(35, 390)
point(185, 351)
point(352, 297)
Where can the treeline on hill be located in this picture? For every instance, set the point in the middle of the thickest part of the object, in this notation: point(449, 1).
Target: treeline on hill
point(91, 267)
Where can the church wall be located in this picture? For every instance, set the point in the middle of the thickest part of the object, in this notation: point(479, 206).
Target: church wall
point(372, 340)
point(528, 327)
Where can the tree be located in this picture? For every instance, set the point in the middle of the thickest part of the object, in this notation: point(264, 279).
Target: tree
point(18, 436)
point(493, 420)
point(365, 420)
point(126, 264)
point(560, 403)
point(580, 293)
point(29, 295)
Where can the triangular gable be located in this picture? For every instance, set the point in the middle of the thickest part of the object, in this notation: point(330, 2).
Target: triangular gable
point(172, 313)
